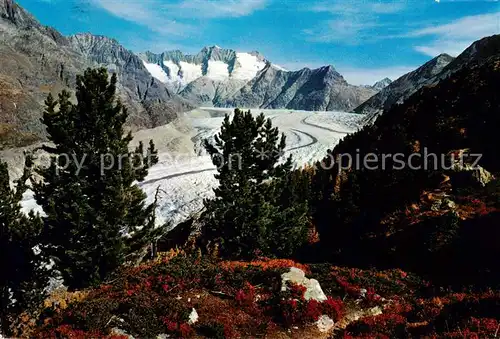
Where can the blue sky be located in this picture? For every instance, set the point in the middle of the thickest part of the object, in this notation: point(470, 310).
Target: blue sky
point(365, 40)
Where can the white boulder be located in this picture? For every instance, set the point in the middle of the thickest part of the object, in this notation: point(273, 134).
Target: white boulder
point(297, 276)
point(325, 324)
point(193, 317)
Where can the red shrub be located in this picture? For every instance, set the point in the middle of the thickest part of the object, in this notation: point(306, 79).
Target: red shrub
point(67, 331)
point(334, 308)
point(246, 297)
point(290, 311)
point(372, 298)
point(264, 264)
point(486, 326)
point(393, 325)
point(171, 325)
point(182, 330)
point(313, 310)
point(349, 289)
point(297, 291)
point(185, 330)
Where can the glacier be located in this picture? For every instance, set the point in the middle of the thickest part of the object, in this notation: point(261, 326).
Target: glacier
point(185, 177)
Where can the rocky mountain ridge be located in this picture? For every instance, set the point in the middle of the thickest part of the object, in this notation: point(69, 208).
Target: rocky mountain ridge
point(317, 89)
point(403, 87)
point(37, 60)
point(138, 87)
point(178, 69)
point(380, 85)
point(431, 73)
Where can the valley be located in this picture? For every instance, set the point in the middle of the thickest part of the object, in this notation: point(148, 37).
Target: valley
point(185, 174)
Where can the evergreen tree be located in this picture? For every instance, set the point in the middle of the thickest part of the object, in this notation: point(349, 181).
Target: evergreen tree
point(88, 192)
point(293, 221)
point(250, 212)
point(23, 274)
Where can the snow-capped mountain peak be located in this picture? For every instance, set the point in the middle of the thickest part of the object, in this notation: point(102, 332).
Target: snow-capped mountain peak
point(214, 62)
point(380, 85)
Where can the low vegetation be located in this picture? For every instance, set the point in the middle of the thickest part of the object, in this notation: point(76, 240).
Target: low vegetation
point(244, 299)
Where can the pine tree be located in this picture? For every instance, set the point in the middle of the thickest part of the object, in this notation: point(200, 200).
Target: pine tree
point(294, 220)
point(246, 216)
point(23, 273)
point(88, 192)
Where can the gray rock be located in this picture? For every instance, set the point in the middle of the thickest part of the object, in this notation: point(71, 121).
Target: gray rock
point(315, 90)
point(115, 331)
point(37, 60)
point(208, 92)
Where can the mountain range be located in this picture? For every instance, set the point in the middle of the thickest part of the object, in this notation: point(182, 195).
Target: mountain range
point(156, 88)
point(38, 60)
point(403, 87)
point(226, 78)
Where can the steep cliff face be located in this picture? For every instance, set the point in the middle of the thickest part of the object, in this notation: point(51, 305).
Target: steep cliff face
point(155, 104)
point(37, 60)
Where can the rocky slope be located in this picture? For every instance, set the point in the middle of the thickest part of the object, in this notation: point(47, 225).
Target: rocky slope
point(205, 91)
point(429, 74)
point(316, 90)
point(478, 52)
point(153, 104)
point(403, 87)
point(37, 60)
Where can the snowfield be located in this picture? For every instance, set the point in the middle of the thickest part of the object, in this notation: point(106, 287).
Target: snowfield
point(246, 67)
point(156, 71)
point(185, 173)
